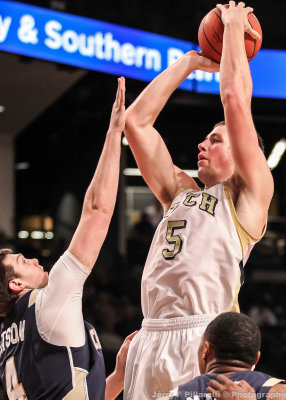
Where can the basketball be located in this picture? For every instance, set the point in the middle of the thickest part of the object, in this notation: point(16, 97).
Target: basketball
point(210, 36)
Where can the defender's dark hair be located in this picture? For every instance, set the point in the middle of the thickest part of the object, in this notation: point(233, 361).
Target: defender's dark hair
point(260, 140)
point(234, 336)
point(7, 297)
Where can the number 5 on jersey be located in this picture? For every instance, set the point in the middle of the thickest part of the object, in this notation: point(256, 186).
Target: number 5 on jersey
point(173, 239)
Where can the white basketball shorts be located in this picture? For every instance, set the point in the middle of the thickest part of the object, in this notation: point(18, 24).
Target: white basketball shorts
point(163, 355)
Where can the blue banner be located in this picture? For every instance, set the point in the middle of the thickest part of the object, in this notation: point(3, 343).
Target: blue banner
point(106, 47)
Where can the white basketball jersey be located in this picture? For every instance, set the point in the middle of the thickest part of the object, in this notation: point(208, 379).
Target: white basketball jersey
point(195, 263)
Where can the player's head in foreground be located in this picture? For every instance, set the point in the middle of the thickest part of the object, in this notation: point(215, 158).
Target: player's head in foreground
point(230, 342)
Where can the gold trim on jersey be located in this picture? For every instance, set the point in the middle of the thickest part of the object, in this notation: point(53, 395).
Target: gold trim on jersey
point(79, 391)
point(171, 209)
point(174, 392)
point(273, 381)
point(235, 305)
point(33, 296)
point(245, 238)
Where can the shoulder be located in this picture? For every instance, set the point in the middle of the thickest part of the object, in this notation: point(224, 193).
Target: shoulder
point(185, 179)
point(198, 383)
point(259, 380)
point(69, 263)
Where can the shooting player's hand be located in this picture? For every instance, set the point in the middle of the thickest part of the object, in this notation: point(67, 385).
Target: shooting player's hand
point(238, 15)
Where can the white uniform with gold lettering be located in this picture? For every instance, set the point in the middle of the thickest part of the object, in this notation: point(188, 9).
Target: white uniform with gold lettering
point(193, 272)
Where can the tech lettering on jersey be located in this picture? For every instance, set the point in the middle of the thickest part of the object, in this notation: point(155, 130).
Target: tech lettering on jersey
point(12, 335)
point(208, 203)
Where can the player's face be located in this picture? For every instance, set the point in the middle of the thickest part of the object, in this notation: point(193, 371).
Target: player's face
point(215, 162)
point(28, 271)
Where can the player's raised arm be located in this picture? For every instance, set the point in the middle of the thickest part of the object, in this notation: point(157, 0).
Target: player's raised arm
point(100, 197)
point(148, 147)
point(236, 93)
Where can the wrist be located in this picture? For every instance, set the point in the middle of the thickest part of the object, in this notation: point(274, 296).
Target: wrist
point(192, 57)
point(233, 36)
point(118, 375)
point(234, 25)
point(114, 131)
point(113, 386)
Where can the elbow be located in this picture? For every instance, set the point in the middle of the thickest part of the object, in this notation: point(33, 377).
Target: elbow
point(235, 93)
point(97, 208)
point(229, 93)
point(95, 204)
point(131, 121)
point(98, 213)
point(234, 97)
point(136, 121)
point(99, 205)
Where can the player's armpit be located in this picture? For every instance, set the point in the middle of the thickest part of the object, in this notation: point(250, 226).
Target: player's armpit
point(249, 161)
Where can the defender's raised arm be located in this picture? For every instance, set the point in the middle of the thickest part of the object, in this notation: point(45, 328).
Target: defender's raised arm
point(100, 197)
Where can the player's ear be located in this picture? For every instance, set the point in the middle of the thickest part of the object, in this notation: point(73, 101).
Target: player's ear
point(257, 357)
point(16, 286)
point(256, 360)
point(208, 350)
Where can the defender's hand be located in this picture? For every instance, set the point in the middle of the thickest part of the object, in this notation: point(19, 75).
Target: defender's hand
point(122, 356)
point(238, 14)
point(117, 119)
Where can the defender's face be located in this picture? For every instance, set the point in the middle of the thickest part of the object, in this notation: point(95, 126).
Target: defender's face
point(27, 271)
point(215, 162)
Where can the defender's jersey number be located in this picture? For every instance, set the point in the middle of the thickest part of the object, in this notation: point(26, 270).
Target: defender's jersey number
point(173, 239)
point(15, 390)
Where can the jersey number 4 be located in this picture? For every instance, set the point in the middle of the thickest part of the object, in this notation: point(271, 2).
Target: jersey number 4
point(15, 390)
point(173, 239)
